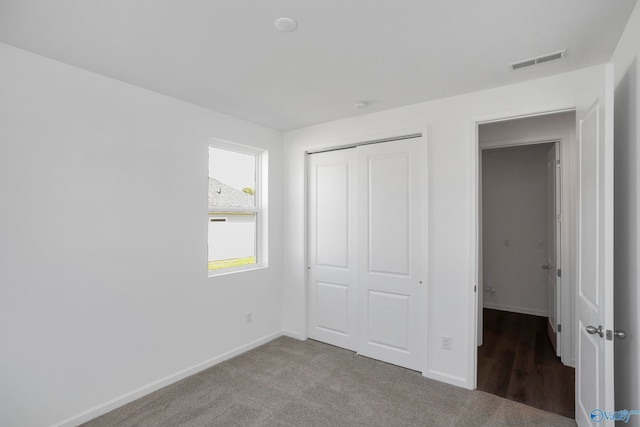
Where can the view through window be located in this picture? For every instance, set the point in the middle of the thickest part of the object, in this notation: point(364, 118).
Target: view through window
point(233, 208)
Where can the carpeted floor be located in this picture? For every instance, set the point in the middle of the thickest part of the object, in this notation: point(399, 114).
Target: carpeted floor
point(292, 383)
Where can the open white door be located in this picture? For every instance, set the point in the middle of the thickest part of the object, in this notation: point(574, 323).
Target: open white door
point(391, 276)
point(594, 297)
point(332, 248)
point(553, 244)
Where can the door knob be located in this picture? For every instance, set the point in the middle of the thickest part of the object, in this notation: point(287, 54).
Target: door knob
point(620, 334)
point(592, 330)
point(545, 267)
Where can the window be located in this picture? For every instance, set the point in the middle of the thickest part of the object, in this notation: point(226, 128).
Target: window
point(235, 236)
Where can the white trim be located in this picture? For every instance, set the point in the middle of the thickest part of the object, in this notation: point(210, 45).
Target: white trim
point(231, 209)
point(516, 309)
point(449, 379)
point(475, 281)
point(112, 404)
point(488, 145)
point(337, 143)
point(359, 144)
point(425, 250)
point(225, 144)
point(232, 270)
point(304, 333)
point(523, 114)
point(293, 334)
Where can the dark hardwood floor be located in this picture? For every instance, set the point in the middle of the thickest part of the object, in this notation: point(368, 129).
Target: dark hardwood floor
point(517, 362)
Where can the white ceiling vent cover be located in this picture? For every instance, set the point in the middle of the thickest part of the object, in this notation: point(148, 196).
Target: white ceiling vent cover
point(537, 60)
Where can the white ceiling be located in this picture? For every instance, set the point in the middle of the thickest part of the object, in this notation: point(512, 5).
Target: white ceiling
point(227, 55)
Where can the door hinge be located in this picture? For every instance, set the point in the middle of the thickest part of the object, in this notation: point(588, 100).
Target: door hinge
point(559, 328)
point(558, 162)
point(475, 289)
point(559, 272)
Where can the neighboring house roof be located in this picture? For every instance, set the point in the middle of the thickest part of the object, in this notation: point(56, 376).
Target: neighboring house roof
point(221, 194)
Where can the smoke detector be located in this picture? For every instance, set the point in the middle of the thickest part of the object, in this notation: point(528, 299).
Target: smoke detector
point(537, 60)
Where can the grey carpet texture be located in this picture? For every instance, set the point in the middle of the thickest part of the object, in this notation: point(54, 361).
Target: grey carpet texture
point(287, 382)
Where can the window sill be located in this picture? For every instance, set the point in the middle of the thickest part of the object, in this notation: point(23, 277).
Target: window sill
point(233, 270)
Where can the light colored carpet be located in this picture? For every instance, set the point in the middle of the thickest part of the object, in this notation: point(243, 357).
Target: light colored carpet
point(292, 383)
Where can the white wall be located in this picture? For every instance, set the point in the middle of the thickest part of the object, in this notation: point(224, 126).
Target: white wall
point(627, 213)
point(514, 228)
point(452, 170)
point(529, 130)
point(96, 305)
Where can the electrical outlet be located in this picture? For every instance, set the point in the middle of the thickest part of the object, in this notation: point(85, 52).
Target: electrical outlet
point(249, 317)
point(446, 342)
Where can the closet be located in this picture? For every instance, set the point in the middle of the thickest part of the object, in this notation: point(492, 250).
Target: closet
point(367, 250)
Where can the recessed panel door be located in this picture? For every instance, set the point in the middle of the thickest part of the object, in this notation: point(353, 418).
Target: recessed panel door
point(391, 267)
point(594, 299)
point(332, 248)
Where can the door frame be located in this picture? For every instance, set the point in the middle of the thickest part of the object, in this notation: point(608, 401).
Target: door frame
point(568, 153)
point(339, 143)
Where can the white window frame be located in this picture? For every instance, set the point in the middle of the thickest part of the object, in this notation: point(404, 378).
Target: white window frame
point(260, 208)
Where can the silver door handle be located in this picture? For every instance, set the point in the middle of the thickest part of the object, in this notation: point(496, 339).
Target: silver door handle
point(620, 334)
point(545, 267)
point(592, 330)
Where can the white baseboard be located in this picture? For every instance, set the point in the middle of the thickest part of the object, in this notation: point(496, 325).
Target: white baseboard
point(446, 378)
point(293, 334)
point(571, 362)
point(515, 309)
point(103, 408)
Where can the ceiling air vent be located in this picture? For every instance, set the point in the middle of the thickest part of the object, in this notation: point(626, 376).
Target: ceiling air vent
point(537, 60)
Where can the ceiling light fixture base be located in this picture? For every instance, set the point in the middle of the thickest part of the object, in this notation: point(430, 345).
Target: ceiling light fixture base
point(285, 24)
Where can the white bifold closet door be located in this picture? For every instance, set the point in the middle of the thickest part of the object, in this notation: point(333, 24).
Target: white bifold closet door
point(367, 256)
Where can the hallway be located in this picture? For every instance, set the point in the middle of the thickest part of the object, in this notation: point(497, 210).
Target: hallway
point(517, 362)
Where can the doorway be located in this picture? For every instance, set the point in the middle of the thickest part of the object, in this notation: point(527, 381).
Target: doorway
point(524, 330)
